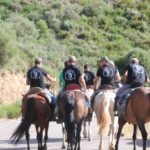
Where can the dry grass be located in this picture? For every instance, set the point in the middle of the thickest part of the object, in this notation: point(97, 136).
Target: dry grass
point(128, 130)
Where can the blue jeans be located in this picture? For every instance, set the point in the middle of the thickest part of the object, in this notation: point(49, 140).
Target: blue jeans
point(52, 97)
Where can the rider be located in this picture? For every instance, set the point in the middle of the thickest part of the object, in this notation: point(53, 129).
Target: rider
point(107, 73)
point(117, 81)
point(61, 79)
point(35, 78)
point(73, 77)
point(88, 77)
point(135, 74)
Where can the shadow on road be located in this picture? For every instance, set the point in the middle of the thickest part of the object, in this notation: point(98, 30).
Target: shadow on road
point(139, 142)
point(22, 144)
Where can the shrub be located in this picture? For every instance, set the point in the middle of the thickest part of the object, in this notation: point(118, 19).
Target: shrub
point(22, 26)
point(7, 43)
point(143, 57)
point(10, 110)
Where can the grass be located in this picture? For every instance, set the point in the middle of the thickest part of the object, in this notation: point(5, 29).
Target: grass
point(10, 110)
point(128, 130)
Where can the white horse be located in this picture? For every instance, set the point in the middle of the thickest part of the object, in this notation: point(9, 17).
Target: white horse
point(103, 107)
point(87, 130)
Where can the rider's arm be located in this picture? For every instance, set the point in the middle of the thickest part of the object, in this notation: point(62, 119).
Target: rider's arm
point(95, 82)
point(27, 81)
point(117, 77)
point(146, 78)
point(125, 76)
point(82, 82)
point(50, 78)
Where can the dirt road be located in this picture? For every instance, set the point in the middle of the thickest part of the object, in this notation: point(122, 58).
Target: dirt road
point(55, 138)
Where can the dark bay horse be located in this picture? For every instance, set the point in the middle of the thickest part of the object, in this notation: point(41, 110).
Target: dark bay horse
point(73, 109)
point(136, 113)
point(35, 110)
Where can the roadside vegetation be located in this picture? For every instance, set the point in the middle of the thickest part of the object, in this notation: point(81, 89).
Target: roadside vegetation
point(10, 110)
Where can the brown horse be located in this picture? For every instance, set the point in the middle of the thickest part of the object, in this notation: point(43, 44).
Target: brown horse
point(73, 109)
point(137, 113)
point(35, 110)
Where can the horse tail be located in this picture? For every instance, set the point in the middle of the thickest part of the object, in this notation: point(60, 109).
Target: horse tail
point(25, 122)
point(104, 115)
point(70, 104)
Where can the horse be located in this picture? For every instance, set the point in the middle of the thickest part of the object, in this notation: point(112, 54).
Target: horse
point(35, 110)
point(88, 119)
point(103, 107)
point(137, 113)
point(73, 109)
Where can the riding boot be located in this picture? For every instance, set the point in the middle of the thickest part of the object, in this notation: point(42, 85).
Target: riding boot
point(52, 106)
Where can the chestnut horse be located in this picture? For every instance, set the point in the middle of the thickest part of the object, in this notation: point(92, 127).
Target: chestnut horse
point(137, 113)
point(103, 107)
point(73, 109)
point(35, 110)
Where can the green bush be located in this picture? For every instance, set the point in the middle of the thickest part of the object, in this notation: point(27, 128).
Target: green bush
point(7, 43)
point(143, 57)
point(22, 26)
point(10, 110)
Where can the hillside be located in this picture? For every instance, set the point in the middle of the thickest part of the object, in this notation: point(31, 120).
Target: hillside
point(88, 29)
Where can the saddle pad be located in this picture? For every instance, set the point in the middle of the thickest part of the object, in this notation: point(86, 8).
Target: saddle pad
point(71, 87)
point(35, 90)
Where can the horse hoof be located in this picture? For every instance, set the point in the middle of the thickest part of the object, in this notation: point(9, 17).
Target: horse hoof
point(89, 139)
point(85, 137)
point(63, 147)
point(111, 148)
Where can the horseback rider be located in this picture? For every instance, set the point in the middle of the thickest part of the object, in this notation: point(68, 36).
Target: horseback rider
point(117, 82)
point(61, 79)
point(107, 73)
point(134, 76)
point(88, 77)
point(74, 79)
point(72, 75)
point(35, 78)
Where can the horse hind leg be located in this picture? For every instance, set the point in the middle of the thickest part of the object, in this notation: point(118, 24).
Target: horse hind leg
point(144, 134)
point(27, 139)
point(89, 131)
point(64, 136)
point(46, 136)
point(39, 137)
point(78, 137)
point(134, 136)
point(121, 122)
point(84, 129)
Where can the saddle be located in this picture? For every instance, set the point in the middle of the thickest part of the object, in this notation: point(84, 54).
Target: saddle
point(122, 103)
point(36, 91)
point(102, 87)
